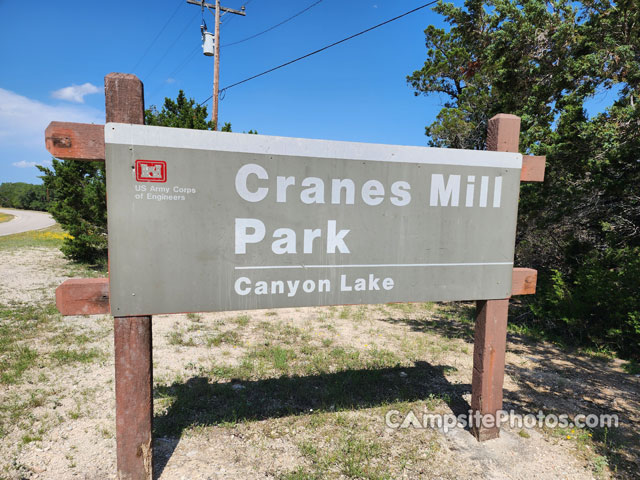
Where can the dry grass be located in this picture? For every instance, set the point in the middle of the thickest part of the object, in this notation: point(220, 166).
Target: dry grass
point(5, 217)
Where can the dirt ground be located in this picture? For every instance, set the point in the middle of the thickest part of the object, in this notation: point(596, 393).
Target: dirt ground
point(294, 393)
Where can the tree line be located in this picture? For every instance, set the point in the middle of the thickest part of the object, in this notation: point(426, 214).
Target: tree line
point(24, 196)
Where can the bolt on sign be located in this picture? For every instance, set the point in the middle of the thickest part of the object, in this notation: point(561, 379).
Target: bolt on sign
point(211, 221)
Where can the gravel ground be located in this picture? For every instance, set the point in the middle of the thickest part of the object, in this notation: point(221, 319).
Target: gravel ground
point(74, 407)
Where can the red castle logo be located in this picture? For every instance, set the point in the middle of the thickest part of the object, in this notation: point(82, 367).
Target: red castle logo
point(151, 171)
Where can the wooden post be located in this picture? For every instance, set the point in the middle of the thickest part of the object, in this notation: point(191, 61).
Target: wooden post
point(491, 317)
point(124, 99)
point(134, 397)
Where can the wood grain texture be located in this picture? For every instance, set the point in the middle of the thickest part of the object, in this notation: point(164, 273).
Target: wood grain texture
point(83, 296)
point(124, 98)
point(489, 347)
point(523, 281)
point(533, 168)
point(75, 141)
point(134, 398)
point(503, 133)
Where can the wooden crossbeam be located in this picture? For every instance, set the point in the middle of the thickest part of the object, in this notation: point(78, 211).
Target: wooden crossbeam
point(82, 141)
point(83, 296)
point(210, 5)
point(533, 168)
point(90, 296)
point(75, 141)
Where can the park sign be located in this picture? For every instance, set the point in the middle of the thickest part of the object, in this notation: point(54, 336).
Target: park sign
point(211, 221)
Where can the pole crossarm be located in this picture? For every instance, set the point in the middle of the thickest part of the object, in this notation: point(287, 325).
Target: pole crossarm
point(209, 5)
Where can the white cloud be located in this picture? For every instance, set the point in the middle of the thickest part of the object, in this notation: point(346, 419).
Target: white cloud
point(24, 164)
point(23, 120)
point(22, 124)
point(171, 80)
point(75, 93)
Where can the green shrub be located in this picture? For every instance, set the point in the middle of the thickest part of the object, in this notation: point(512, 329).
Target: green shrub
point(597, 305)
point(79, 204)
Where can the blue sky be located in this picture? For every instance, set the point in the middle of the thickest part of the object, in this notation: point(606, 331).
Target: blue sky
point(55, 56)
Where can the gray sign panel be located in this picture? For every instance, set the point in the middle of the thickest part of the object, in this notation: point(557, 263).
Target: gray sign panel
point(209, 221)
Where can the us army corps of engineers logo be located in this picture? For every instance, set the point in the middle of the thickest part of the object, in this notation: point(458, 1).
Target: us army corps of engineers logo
point(151, 171)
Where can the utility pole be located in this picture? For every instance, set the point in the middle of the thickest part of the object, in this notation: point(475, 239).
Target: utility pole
point(216, 49)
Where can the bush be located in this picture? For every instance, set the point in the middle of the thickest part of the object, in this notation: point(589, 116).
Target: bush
point(79, 204)
point(598, 305)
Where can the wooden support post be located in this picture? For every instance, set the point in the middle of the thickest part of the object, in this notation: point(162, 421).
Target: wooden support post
point(134, 397)
point(490, 339)
point(124, 100)
point(489, 346)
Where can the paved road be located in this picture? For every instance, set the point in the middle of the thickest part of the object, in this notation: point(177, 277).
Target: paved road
point(24, 221)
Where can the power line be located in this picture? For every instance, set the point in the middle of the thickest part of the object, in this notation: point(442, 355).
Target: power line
point(322, 49)
point(274, 26)
point(189, 23)
point(157, 37)
point(186, 61)
point(226, 19)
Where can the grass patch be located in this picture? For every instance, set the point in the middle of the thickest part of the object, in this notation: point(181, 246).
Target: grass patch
point(278, 357)
point(230, 337)
point(70, 338)
point(405, 308)
point(15, 410)
point(178, 338)
point(28, 438)
point(344, 446)
point(18, 325)
point(51, 237)
point(12, 368)
point(603, 448)
point(66, 356)
point(5, 217)
point(632, 367)
point(242, 320)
